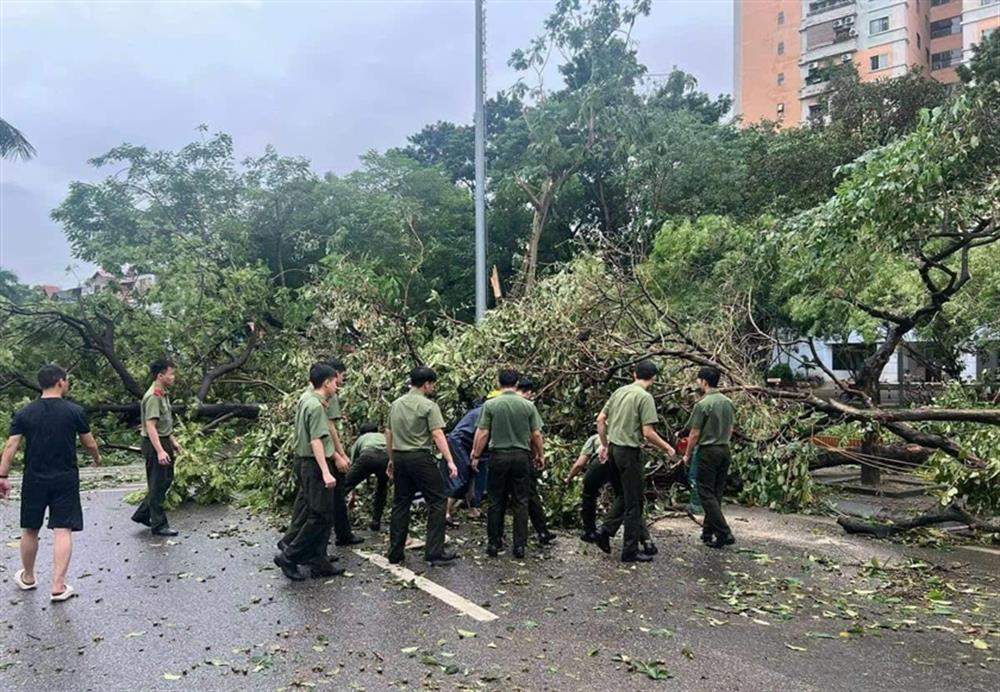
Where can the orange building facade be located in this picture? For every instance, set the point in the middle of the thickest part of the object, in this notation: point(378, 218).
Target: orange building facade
point(784, 49)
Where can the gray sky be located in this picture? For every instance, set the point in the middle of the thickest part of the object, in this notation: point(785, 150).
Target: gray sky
point(325, 80)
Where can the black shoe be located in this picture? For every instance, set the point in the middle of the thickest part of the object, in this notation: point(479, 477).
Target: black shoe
point(603, 541)
point(442, 558)
point(722, 541)
point(141, 520)
point(518, 553)
point(546, 538)
point(649, 548)
point(707, 538)
point(396, 560)
point(375, 526)
point(325, 568)
point(288, 568)
point(492, 550)
point(637, 557)
point(350, 540)
point(164, 531)
point(588, 536)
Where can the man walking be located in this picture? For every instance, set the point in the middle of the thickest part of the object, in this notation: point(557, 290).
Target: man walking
point(416, 427)
point(595, 476)
point(309, 535)
point(624, 424)
point(369, 457)
point(49, 425)
point(711, 430)
point(511, 425)
point(159, 447)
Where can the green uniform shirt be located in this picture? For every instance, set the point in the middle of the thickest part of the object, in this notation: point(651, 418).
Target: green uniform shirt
point(156, 405)
point(334, 413)
point(372, 440)
point(511, 419)
point(310, 424)
point(591, 448)
point(412, 419)
point(628, 409)
point(713, 415)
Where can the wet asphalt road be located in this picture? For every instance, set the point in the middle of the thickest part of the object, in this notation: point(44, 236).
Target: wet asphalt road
point(208, 611)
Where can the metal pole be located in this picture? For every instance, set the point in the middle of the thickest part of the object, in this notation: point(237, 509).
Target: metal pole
point(480, 171)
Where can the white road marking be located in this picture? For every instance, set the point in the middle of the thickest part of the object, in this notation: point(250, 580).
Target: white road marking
point(463, 605)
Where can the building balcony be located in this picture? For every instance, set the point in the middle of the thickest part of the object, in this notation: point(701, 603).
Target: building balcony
point(843, 8)
point(822, 6)
point(814, 88)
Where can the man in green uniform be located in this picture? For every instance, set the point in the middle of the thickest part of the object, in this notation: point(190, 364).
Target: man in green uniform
point(511, 425)
point(595, 476)
point(711, 430)
point(536, 511)
point(309, 535)
point(416, 427)
point(369, 457)
point(624, 424)
point(341, 463)
point(159, 447)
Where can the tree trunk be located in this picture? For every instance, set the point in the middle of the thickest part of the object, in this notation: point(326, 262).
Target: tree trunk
point(544, 202)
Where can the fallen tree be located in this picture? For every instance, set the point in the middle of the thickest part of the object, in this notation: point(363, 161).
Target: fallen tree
point(953, 513)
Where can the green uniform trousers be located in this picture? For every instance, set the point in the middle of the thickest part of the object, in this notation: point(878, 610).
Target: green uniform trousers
point(413, 472)
point(595, 478)
point(508, 485)
point(627, 480)
point(308, 537)
point(159, 477)
point(371, 462)
point(713, 469)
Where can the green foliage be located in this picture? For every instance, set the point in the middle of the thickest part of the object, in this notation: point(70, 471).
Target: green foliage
point(201, 474)
point(779, 478)
point(976, 488)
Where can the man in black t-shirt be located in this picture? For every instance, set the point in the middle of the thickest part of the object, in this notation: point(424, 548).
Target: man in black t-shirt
point(49, 425)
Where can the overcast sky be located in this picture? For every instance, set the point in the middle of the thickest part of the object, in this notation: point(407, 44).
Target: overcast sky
point(324, 80)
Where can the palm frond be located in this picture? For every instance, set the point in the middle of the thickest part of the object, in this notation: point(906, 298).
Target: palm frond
point(13, 144)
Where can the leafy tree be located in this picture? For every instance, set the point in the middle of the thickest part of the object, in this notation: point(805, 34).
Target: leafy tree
point(984, 66)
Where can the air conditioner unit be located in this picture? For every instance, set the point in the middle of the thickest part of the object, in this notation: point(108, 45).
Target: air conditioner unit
point(846, 57)
point(838, 23)
point(854, 33)
point(814, 66)
point(848, 21)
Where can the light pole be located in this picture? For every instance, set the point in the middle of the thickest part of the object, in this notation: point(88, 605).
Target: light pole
point(480, 171)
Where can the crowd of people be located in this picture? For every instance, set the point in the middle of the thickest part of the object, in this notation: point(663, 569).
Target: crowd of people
point(492, 456)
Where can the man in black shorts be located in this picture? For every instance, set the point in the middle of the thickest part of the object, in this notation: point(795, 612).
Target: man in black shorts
point(49, 425)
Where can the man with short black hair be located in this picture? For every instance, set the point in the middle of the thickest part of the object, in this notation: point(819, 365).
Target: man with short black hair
point(159, 447)
point(416, 427)
point(536, 510)
point(341, 463)
point(511, 425)
point(51, 481)
point(309, 535)
point(369, 457)
point(624, 424)
point(711, 431)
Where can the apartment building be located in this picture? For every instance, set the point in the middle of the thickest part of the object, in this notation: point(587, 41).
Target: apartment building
point(785, 49)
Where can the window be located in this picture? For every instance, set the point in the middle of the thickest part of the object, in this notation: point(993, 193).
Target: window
point(918, 41)
point(878, 26)
point(880, 62)
point(781, 18)
point(946, 27)
point(816, 111)
point(948, 58)
point(849, 357)
point(781, 111)
point(936, 3)
point(781, 78)
point(781, 47)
